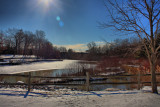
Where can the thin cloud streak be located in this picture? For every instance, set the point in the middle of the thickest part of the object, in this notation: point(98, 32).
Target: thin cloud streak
point(80, 47)
point(76, 47)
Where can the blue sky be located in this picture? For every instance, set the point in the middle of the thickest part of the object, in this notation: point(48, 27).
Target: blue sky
point(65, 22)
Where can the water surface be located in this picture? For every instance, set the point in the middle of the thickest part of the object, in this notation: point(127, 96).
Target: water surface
point(59, 72)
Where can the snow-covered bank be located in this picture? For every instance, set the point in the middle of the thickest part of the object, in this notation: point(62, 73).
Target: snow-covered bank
point(17, 56)
point(36, 66)
point(68, 98)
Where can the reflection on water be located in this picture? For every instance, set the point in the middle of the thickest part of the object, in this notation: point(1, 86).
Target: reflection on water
point(13, 79)
point(58, 72)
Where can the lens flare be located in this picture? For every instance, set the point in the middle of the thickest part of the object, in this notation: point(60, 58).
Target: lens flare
point(58, 18)
point(61, 24)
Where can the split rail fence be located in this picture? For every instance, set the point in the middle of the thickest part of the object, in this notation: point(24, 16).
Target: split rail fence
point(87, 79)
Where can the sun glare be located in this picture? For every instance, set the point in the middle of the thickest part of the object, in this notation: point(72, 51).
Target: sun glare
point(46, 2)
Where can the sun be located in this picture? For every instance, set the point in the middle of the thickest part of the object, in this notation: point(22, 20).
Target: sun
point(46, 6)
point(46, 2)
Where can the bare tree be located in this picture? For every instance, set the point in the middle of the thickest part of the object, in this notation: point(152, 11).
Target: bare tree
point(92, 48)
point(40, 35)
point(1, 41)
point(62, 49)
point(19, 36)
point(9, 45)
point(28, 40)
point(11, 38)
point(141, 17)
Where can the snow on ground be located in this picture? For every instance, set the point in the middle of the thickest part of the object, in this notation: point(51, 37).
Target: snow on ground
point(67, 98)
point(36, 66)
point(17, 56)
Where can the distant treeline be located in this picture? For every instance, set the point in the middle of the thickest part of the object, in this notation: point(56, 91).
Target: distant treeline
point(20, 42)
point(130, 47)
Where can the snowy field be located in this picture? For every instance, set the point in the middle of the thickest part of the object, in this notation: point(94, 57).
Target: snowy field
point(36, 66)
point(67, 98)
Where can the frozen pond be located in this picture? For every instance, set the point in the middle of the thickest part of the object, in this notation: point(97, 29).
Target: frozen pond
point(61, 68)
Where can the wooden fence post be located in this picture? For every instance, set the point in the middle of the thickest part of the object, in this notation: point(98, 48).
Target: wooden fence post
point(29, 81)
point(87, 81)
point(139, 80)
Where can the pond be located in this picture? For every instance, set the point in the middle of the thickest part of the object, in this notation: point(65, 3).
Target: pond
point(59, 72)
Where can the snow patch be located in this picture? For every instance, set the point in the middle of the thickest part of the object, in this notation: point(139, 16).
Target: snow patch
point(36, 66)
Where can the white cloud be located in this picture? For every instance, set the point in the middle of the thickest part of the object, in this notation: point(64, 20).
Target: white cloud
point(76, 47)
point(100, 43)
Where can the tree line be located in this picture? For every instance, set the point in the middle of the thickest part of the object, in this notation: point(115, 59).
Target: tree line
point(119, 47)
point(129, 47)
point(20, 42)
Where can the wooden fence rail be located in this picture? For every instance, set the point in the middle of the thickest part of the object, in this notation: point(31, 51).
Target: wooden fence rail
point(87, 84)
point(129, 75)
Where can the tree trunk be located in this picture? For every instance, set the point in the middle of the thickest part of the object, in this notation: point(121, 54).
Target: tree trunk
point(153, 74)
